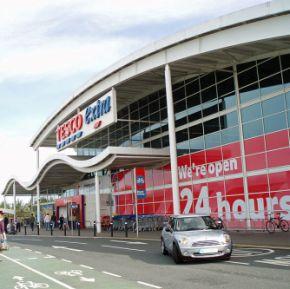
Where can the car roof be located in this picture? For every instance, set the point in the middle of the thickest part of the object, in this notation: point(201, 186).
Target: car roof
point(188, 216)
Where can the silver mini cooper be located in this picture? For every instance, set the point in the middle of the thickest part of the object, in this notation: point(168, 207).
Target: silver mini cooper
point(194, 236)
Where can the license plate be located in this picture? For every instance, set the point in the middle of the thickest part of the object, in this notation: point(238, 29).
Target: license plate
point(208, 250)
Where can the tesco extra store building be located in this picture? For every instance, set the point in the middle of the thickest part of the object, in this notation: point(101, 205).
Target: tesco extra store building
point(198, 122)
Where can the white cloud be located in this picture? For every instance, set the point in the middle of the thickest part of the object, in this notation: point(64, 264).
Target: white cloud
point(56, 38)
point(62, 58)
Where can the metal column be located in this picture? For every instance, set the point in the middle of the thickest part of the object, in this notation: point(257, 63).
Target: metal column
point(98, 205)
point(242, 146)
point(38, 203)
point(14, 200)
point(172, 141)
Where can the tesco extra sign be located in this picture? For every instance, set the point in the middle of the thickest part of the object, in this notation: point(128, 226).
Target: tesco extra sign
point(92, 119)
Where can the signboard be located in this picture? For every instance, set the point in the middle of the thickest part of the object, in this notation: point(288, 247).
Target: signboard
point(95, 117)
point(140, 183)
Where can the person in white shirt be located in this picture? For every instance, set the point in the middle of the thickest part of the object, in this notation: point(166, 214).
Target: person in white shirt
point(47, 221)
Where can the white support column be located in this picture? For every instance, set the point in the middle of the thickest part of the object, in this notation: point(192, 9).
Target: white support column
point(97, 200)
point(38, 203)
point(172, 141)
point(37, 159)
point(14, 200)
point(242, 146)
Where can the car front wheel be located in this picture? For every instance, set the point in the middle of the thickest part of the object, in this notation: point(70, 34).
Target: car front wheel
point(176, 255)
point(163, 248)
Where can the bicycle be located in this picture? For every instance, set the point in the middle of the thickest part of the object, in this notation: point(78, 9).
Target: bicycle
point(278, 223)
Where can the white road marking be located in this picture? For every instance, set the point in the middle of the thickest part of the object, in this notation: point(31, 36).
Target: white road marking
point(65, 260)
point(19, 278)
point(66, 248)
point(123, 248)
point(88, 267)
point(71, 273)
point(251, 252)
point(111, 274)
point(32, 258)
point(28, 250)
point(37, 252)
point(240, 263)
point(277, 262)
point(49, 257)
point(129, 242)
point(15, 247)
point(84, 279)
point(80, 243)
point(38, 272)
point(149, 285)
point(22, 239)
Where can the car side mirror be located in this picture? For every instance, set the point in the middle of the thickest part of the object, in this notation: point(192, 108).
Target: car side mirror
point(168, 228)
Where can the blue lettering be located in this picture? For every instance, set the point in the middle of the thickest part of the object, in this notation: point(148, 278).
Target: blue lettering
point(95, 113)
point(107, 104)
point(88, 114)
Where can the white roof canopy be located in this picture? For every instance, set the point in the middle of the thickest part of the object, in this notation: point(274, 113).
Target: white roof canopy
point(61, 171)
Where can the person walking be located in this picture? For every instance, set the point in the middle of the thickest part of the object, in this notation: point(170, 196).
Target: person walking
point(6, 221)
point(61, 221)
point(32, 221)
point(47, 221)
point(53, 220)
point(3, 245)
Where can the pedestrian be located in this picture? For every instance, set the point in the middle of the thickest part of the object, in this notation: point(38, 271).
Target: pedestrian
point(47, 221)
point(32, 221)
point(61, 221)
point(6, 221)
point(53, 220)
point(3, 244)
point(18, 224)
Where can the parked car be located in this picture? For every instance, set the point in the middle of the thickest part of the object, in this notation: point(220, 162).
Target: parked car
point(195, 237)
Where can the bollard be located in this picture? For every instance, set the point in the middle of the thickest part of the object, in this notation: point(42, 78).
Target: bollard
point(64, 228)
point(38, 229)
point(79, 228)
point(25, 230)
point(112, 230)
point(51, 229)
point(126, 229)
point(95, 229)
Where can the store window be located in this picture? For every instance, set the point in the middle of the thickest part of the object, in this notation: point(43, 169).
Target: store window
point(252, 129)
point(251, 112)
point(273, 105)
point(275, 122)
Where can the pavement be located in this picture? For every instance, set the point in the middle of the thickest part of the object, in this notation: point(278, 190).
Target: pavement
point(278, 240)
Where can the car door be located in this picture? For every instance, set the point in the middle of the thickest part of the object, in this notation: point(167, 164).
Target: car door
point(168, 235)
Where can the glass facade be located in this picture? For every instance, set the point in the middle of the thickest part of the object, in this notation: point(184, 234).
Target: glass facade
point(230, 151)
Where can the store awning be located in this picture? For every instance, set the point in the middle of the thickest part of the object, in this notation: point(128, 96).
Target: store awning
point(61, 171)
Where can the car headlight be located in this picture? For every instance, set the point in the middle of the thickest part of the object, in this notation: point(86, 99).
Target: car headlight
point(227, 238)
point(183, 241)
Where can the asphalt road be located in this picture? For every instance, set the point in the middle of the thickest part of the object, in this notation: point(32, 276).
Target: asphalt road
point(110, 263)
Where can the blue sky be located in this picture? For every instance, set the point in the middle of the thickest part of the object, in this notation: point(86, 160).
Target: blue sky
point(48, 49)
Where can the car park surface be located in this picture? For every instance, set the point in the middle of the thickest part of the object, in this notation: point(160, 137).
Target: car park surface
point(136, 262)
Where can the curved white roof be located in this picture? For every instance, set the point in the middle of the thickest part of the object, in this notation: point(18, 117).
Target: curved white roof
point(61, 170)
point(236, 37)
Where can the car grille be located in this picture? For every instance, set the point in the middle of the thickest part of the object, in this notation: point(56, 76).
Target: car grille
point(205, 243)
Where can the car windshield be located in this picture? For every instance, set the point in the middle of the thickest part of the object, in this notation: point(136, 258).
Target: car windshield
point(195, 223)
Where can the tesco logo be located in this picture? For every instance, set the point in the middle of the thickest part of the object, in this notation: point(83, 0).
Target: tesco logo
point(70, 127)
point(94, 117)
